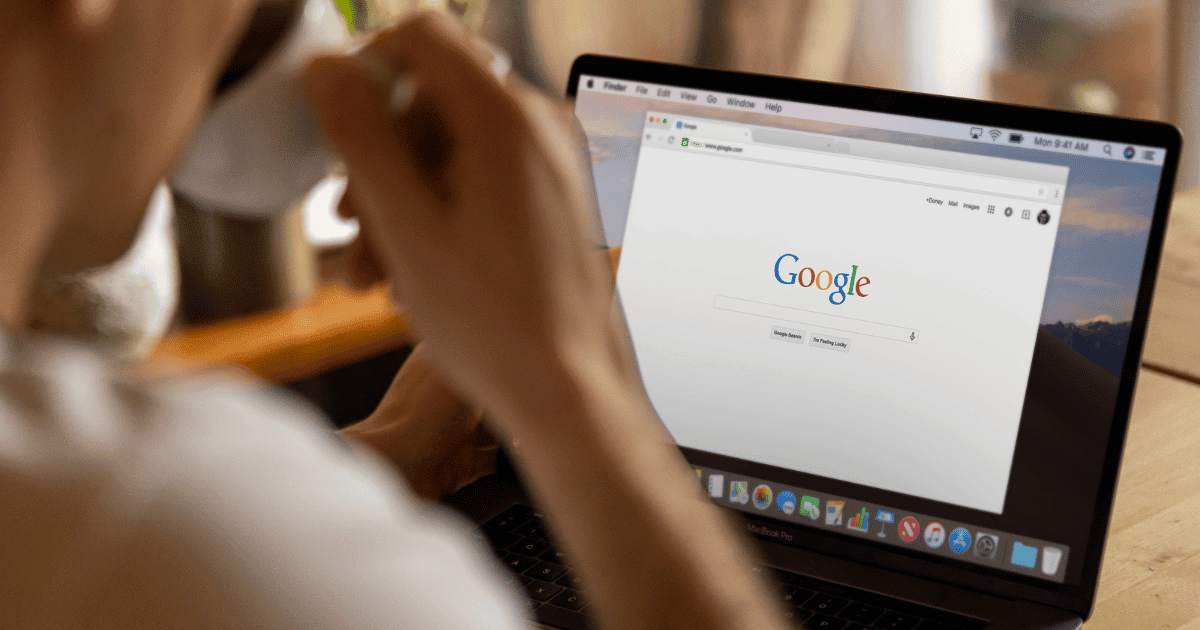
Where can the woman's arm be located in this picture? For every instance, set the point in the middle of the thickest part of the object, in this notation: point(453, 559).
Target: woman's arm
point(475, 202)
point(422, 426)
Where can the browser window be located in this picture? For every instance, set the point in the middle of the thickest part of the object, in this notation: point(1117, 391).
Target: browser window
point(893, 304)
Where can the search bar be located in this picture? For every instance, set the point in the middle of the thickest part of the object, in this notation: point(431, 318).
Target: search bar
point(816, 319)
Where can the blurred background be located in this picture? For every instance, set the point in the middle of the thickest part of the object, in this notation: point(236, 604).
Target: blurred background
point(1104, 56)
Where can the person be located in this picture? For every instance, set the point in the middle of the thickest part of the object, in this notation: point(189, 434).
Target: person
point(129, 501)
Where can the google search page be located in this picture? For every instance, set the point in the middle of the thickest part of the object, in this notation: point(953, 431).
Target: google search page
point(862, 320)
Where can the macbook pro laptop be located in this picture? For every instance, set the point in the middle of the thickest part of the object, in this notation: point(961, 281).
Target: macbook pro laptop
point(898, 333)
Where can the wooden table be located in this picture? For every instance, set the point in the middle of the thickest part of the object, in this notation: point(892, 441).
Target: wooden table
point(1151, 575)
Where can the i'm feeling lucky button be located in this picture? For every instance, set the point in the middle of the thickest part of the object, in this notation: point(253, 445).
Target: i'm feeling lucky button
point(830, 343)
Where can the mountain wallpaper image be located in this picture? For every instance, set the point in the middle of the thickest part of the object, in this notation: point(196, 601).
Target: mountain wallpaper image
point(1100, 341)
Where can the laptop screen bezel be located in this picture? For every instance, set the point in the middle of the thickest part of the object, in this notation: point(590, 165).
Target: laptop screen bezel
point(1078, 598)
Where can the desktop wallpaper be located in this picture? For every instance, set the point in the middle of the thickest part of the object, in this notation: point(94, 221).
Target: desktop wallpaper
point(1102, 237)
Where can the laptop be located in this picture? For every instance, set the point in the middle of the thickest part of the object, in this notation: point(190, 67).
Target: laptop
point(897, 333)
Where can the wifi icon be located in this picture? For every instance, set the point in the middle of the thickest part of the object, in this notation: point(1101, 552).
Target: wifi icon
point(995, 134)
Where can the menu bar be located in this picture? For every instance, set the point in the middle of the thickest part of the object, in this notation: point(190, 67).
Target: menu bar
point(923, 533)
point(980, 133)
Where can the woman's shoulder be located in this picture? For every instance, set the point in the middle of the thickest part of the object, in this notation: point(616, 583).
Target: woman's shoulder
point(235, 482)
point(67, 401)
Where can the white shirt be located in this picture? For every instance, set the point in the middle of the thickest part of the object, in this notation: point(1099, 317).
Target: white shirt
point(211, 502)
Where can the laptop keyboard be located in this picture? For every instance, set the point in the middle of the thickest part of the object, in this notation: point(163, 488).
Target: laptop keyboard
point(519, 537)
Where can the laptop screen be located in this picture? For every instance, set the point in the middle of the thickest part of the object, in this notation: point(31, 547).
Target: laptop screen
point(904, 330)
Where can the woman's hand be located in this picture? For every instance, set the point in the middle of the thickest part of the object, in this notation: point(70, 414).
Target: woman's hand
point(477, 203)
point(434, 438)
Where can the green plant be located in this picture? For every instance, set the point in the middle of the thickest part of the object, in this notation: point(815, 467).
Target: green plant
point(347, 8)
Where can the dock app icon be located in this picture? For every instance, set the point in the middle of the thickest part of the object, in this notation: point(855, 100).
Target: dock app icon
point(884, 518)
point(986, 545)
point(786, 502)
point(859, 522)
point(810, 507)
point(1051, 556)
point(715, 484)
point(739, 492)
point(833, 512)
point(1024, 555)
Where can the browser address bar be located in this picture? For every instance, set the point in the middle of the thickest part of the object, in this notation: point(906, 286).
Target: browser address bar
point(862, 167)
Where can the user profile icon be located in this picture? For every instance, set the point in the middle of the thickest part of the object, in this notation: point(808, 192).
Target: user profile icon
point(1043, 217)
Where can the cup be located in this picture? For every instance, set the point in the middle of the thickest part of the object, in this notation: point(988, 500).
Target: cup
point(240, 183)
point(259, 150)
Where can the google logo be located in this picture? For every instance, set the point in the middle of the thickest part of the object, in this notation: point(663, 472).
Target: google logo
point(825, 279)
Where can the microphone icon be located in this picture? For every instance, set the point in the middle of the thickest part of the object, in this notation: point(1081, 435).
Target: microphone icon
point(912, 337)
